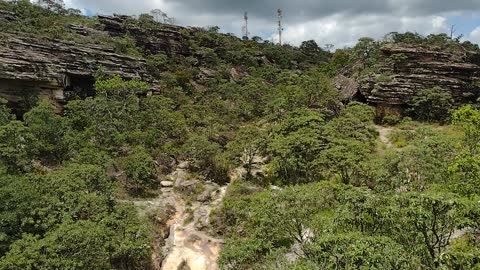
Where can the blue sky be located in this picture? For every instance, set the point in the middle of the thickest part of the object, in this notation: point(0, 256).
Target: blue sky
point(464, 24)
point(339, 22)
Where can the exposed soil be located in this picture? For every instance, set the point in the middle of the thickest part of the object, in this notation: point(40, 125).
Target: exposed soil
point(188, 247)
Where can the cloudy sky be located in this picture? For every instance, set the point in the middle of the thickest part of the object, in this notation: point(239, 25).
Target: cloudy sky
point(338, 22)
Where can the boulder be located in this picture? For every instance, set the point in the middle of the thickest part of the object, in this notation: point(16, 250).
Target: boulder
point(166, 184)
point(188, 183)
point(346, 86)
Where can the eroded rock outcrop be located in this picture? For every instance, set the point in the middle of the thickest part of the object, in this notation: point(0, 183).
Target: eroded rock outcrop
point(163, 38)
point(406, 69)
point(55, 69)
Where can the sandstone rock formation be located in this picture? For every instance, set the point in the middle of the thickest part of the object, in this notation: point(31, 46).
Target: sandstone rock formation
point(347, 87)
point(406, 69)
point(53, 68)
point(57, 69)
point(163, 38)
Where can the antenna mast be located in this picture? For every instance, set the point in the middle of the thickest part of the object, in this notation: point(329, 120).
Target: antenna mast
point(245, 27)
point(280, 29)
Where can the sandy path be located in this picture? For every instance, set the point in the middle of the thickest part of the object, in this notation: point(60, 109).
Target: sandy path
point(384, 132)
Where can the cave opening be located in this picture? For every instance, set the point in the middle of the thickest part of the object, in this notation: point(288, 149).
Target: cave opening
point(359, 97)
point(78, 86)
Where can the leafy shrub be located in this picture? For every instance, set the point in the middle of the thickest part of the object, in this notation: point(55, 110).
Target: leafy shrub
point(432, 104)
point(140, 170)
point(157, 63)
point(126, 45)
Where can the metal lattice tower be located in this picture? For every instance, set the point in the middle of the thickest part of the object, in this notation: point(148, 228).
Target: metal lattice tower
point(245, 26)
point(280, 29)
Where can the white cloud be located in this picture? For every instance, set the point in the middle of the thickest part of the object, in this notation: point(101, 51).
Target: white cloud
point(439, 22)
point(475, 35)
point(343, 31)
point(339, 22)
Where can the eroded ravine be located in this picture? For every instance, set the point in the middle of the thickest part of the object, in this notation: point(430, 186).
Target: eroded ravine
point(187, 246)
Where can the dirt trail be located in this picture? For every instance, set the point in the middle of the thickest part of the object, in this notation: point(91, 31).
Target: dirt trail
point(384, 132)
point(187, 247)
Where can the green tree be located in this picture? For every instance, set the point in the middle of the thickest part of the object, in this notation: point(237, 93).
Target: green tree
point(355, 251)
point(320, 94)
point(157, 63)
point(246, 148)
point(118, 241)
point(468, 119)
point(160, 125)
point(429, 220)
point(272, 221)
point(466, 168)
point(71, 246)
point(48, 130)
point(366, 212)
point(140, 170)
point(432, 104)
point(354, 123)
point(466, 175)
point(425, 162)
point(297, 140)
point(74, 192)
point(200, 152)
point(366, 50)
point(113, 113)
point(67, 219)
point(310, 47)
point(349, 144)
point(346, 159)
point(315, 54)
point(16, 147)
point(17, 211)
point(126, 45)
point(5, 115)
point(129, 239)
point(57, 6)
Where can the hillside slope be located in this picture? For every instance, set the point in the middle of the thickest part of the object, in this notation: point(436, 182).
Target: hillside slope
point(131, 144)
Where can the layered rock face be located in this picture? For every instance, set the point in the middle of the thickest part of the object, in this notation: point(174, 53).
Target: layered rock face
point(163, 38)
point(406, 70)
point(55, 69)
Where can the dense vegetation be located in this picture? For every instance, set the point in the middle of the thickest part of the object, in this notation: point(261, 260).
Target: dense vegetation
point(330, 194)
point(420, 213)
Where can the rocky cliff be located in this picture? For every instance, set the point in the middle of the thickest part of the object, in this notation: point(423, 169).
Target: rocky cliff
point(55, 69)
point(163, 38)
point(406, 69)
